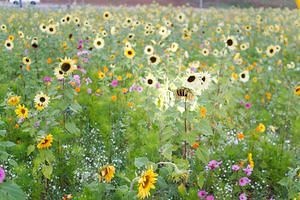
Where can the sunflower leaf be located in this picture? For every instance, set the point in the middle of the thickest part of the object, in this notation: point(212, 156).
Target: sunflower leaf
point(140, 162)
point(47, 171)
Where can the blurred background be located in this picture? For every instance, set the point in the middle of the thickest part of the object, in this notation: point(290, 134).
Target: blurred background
point(195, 3)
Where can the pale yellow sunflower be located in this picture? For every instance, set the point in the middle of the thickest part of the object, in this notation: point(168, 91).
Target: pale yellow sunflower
point(67, 65)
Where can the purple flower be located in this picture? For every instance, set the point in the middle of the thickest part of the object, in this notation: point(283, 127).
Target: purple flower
point(202, 194)
point(88, 80)
point(235, 168)
point(248, 170)
point(213, 164)
point(139, 89)
point(210, 197)
point(47, 79)
point(244, 181)
point(114, 83)
point(89, 91)
point(77, 79)
point(243, 196)
point(2, 175)
point(248, 105)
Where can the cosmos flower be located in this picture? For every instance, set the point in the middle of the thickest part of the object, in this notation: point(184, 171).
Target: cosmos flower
point(146, 182)
point(243, 196)
point(210, 197)
point(244, 181)
point(2, 175)
point(235, 168)
point(213, 164)
point(114, 83)
point(202, 194)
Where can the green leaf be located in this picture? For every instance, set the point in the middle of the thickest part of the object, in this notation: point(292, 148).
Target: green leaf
point(7, 144)
point(30, 149)
point(201, 179)
point(47, 171)
point(202, 154)
point(71, 127)
point(167, 150)
point(11, 191)
point(204, 127)
point(2, 132)
point(140, 162)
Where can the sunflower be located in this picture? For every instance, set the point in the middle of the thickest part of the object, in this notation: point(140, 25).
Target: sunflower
point(150, 80)
point(297, 90)
point(9, 45)
point(174, 47)
point(244, 76)
point(129, 53)
point(154, 59)
point(244, 46)
point(205, 80)
point(67, 65)
point(260, 128)
point(106, 172)
point(43, 27)
point(146, 183)
point(21, 34)
point(51, 29)
point(99, 43)
point(148, 50)
point(3, 27)
point(205, 52)
point(21, 111)
point(271, 50)
point(59, 73)
point(26, 61)
point(45, 142)
point(42, 100)
point(13, 100)
point(231, 42)
point(107, 15)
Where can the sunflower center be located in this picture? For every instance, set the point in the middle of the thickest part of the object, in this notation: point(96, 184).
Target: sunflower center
point(203, 79)
point(98, 43)
point(45, 141)
point(271, 50)
point(146, 182)
point(243, 75)
point(8, 44)
point(65, 67)
point(153, 59)
point(229, 42)
point(129, 52)
point(42, 99)
point(298, 90)
point(23, 111)
point(191, 79)
point(51, 29)
point(150, 81)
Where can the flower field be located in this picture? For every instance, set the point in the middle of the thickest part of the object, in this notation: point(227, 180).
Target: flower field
point(149, 102)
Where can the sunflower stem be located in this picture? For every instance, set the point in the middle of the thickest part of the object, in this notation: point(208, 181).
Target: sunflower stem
point(185, 129)
point(132, 182)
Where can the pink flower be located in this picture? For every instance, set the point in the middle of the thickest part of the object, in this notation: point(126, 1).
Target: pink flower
point(248, 170)
point(243, 196)
point(2, 175)
point(114, 83)
point(213, 164)
point(248, 105)
point(235, 168)
point(202, 194)
point(244, 181)
point(210, 197)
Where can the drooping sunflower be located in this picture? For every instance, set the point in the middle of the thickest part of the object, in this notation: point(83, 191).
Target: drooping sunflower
point(106, 172)
point(45, 142)
point(21, 111)
point(41, 101)
point(13, 100)
point(146, 183)
point(67, 65)
point(99, 43)
point(129, 53)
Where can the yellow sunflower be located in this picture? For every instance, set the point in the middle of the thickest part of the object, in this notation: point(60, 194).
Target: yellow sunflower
point(21, 111)
point(45, 142)
point(26, 61)
point(106, 172)
point(129, 53)
point(146, 183)
point(67, 65)
point(297, 90)
point(13, 100)
point(260, 128)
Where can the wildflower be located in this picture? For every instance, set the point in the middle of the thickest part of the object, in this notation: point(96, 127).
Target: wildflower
point(13, 100)
point(240, 136)
point(114, 83)
point(202, 194)
point(247, 97)
point(195, 145)
point(21, 111)
point(248, 105)
point(146, 183)
point(47, 80)
point(124, 90)
point(130, 104)
point(45, 142)
point(101, 75)
point(203, 112)
point(268, 95)
point(114, 98)
point(243, 196)
point(2, 175)
point(210, 197)
point(235, 168)
point(213, 164)
point(260, 128)
point(106, 172)
point(250, 160)
point(248, 170)
point(244, 181)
